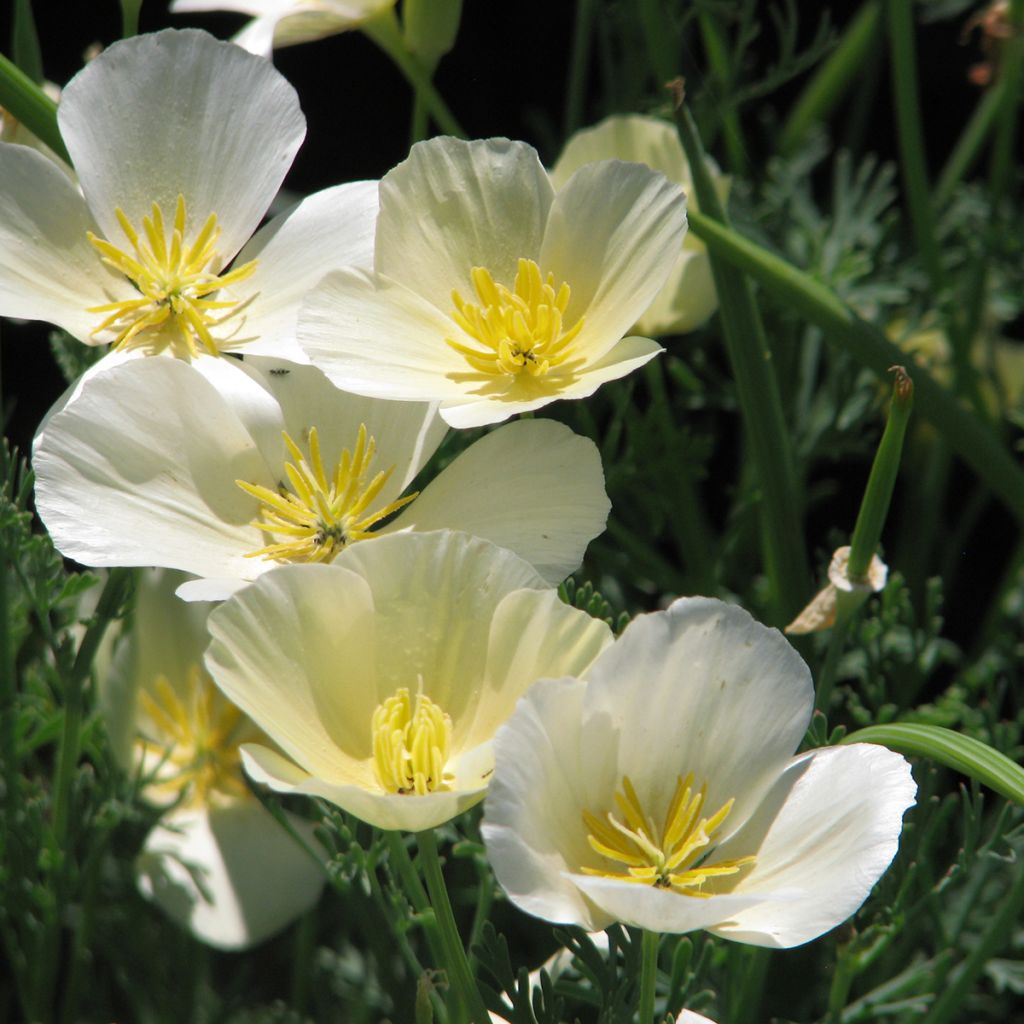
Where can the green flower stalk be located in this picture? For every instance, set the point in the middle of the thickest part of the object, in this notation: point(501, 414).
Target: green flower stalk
point(27, 102)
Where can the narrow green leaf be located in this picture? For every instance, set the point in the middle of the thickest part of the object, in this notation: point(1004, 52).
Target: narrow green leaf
point(30, 105)
point(25, 42)
point(954, 750)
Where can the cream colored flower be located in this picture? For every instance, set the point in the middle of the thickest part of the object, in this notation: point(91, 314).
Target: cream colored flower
point(495, 295)
point(384, 676)
point(225, 470)
point(216, 862)
point(662, 792)
point(180, 142)
point(821, 612)
point(688, 297)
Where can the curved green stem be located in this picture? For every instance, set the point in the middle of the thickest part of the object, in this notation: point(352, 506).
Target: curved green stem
point(460, 976)
point(648, 975)
point(385, 32)
point(31, 106)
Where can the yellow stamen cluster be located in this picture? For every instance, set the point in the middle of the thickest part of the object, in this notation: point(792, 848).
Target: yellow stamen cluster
point(411, 744)
point(320, 515)
point(173, 280)
point(518, 330)
point(192, 736)
point(665, 857)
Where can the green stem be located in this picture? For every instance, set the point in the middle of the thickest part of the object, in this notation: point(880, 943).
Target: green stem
point(399, 858)
point(976, 444)
point(25, 41)
point(579, 65)
point(827, 675)
point(842, 980)
point(31, 106)
point(130, 18)
point(460, 976)
point(834, 78)
point(648, 975)
point(385, 32)
point(718, 61)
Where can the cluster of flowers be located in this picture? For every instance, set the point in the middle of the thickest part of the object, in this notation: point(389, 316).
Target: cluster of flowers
point(423, 660)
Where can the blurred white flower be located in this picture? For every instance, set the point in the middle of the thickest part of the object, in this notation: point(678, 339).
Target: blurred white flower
point(224, 470)
point(278, 23)
point(662, 792)
point(384, 675)
point(216, 862)
point(180, 143)
point(821, 612)
point(496, 295)
point(688, 297)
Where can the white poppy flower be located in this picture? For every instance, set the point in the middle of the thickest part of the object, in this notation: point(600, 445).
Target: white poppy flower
point(688, 297)
point(384, 675)
point(496, 295)
point(278, 23)
point(180, 143)
point(663, 791)
point(224, 470)
point(216, 862)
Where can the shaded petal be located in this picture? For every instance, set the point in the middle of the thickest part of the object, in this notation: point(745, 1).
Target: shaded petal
point(613, 234)
point(373, 336)
point(139, 467)
point(232, 876)
point(48, 269)
point(329, 229)
point(823, 836)
point(408, 812)
point(180, 112)
point(455, 205)
point(702, 688)
point(688, 298)
point(534, 487)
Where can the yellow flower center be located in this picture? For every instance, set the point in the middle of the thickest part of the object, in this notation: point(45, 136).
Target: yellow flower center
point(193, 735)
point(411, 744)
point(316, 518)
point(518, 330)
point(173, 280)
point(670, 857)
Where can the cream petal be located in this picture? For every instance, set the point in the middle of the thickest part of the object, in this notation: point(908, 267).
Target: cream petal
point(687, 300)
point(48, 269)
point(406, 433)
point(823, 835)
point(178, 112)
point(327, 230)
point(723, 697)
point(296, 651)
point(139, 468)
point(613, 234)
point(533, 486)
point(373, 336)
point(232, 876)
point(390, 811)
point(211, 588)
point(533, 826)
point(454, 205)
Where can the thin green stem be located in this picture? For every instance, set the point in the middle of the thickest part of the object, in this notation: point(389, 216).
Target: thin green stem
point(834, 78)
point(25, 41)
point(579, 65)
point(829, 668)
point(31, 106)
point(973, 441)
point(460, 976)
point(718, 61)
point(385, 32)
point(398, 857)
point(648, 975)
point(130, 18)
point(842, 979)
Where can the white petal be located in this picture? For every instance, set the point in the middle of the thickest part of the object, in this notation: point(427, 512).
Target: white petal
point(687, 300)
point(823, 836)
point(533, 826)
point(613, 235)
point(48, 269)
point(209, 589)
point(373, 336)
point(534, 487)
point(329, 229)
point(178, 112)
point(454, 205)
point(723, 697)
point(295, 651)
point(232, 876)
point(409, 812)
point(139, 468)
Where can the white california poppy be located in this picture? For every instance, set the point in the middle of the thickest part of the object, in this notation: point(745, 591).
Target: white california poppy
point(216, 862)
point(662, 792)
point(496, 295)
point(384, 675)
point(278, 23)
point(688, 297)
point(226, 469)
point(180, 143)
